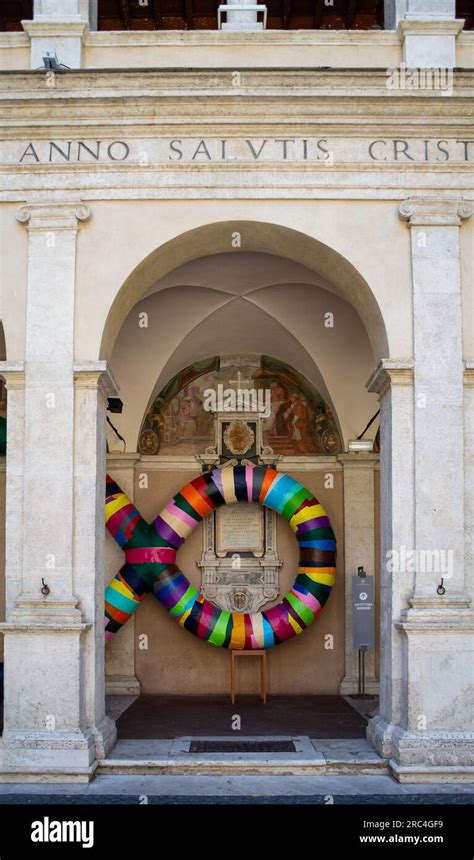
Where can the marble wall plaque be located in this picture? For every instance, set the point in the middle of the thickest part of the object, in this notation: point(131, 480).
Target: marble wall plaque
point(239, 528)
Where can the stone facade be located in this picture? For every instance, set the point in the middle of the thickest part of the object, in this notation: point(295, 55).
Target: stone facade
point(162, 148)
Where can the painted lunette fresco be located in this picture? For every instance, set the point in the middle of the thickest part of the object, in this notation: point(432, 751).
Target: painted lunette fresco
point(300, 421)
point(150, 553)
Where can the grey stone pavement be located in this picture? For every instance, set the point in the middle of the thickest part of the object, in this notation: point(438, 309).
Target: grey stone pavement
point(179, 789)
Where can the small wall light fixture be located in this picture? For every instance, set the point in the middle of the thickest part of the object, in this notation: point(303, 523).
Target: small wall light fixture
point(51, 62)
point(114, 404)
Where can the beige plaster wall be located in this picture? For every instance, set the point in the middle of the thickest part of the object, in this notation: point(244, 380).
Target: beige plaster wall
point(2, 547)
point(176, 662)
point(377, 571)
point(368, 234)
point(13, 278)
point(235, 50)
point(14, 51)
point(339, 49)
point(466, 238)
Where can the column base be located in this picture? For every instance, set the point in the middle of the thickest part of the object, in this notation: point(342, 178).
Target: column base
point(43, 756)
point(122, 685)
point(55, 756)
point(350, 686)
point(423, 756)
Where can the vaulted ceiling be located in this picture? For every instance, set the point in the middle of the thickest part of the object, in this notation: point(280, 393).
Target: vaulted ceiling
point(202, 14)
point(251, 303)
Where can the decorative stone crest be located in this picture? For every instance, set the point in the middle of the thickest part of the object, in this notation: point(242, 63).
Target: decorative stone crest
point(239, 437)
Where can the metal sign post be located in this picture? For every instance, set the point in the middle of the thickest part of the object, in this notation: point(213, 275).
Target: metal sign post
point(363, 628)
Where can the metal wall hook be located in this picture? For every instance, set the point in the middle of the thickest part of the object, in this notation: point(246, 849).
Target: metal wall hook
point(45, 588)
point(441, 589)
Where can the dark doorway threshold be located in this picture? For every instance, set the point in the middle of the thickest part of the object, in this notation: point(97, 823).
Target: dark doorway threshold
point(150, 717)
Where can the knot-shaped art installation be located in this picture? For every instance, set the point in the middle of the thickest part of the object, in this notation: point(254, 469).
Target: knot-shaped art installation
point(150, 553)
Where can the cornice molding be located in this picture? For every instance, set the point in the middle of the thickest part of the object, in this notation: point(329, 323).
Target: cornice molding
point(93, 375)
point(68, 27)
point(367, 461)
point(390, 372)
point(433, 27)
point(434, 212)
point(53, 216)
point(13, 373)
point(122, 461)
point(220, 38)
point(469, 373)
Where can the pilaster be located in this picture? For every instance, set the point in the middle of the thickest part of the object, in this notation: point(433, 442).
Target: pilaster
point(425, 720)
point(120, 677)
point(14, 376)
point(439, 397)
point(59, 27)
point(428, 30)
point(359, 549)
point(54, 702)
point(242, 20)
point(392, 381)
point(469, 475)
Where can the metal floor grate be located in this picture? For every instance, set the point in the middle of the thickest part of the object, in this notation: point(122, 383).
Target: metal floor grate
point(241, 746)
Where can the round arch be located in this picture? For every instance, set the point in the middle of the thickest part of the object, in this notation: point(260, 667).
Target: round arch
point(266, 237)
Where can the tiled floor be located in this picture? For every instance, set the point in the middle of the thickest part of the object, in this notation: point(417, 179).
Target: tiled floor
point(164, 717)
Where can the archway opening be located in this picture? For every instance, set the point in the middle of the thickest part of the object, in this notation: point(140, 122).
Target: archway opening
point(226, 310)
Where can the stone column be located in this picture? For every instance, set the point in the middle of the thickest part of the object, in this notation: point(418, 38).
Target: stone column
point(245, 20)
point(54, 711)
point(428, 30)
point(469, 472)
point(359, 548)
point(14, 376)
point(120, 675)
point(439, 396)
point(392, 380)
point(93, 385)
point(426, 728)
point(59, 26)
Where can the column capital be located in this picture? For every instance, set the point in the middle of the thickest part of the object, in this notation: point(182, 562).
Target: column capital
point(469, 373)
point(55, 215)
point(430, 26)
point(434, 212)
point(13, 373)
point(389, 372)
point(94, 375)
point(359, 460)
point(70, 26)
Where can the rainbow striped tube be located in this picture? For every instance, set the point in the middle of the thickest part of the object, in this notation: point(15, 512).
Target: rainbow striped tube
point(150, 557)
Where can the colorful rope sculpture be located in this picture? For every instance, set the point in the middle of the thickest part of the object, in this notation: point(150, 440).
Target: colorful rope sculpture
point(150, 552)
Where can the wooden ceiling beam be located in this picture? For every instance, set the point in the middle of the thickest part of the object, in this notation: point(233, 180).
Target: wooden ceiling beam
point(26, 9)
point(351, 12)
point(189, 14)
point(318, 13)
point(125, 12)
point(380, 13)
point(156, 9)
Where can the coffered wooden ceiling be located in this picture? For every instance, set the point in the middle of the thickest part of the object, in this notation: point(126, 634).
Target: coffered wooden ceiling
point(202, 14)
